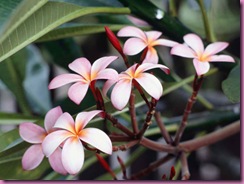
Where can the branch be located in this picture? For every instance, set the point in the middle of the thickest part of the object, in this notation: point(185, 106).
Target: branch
point(184, 167)
point(133, 113)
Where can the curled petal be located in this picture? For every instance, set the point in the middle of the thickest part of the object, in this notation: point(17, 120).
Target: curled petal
point(31, 132)
point(64, 79)
point(151, 56)
point(66, 122)
point(153, 35)
point(201, 67)
point(130, 31)
point(121, 94)
point(32, 157)
point(108, 84)
point(53, 141)
point(195, 42)
point(83, 118)
point(97, 139)
point(107, 73)
point(56, 162)
point(214, 48)
point(133, 46)
point(51, 118)
point(148, 66)
point(164, 42)
point(81, 66)
point(73, 155)
point(101, 63)
point(182, 50)
point(151, 85)
point(78, 91)
point(221, 58)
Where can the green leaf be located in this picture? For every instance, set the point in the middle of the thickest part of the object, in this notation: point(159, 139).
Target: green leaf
point(46, 18)
point(93, 3)
point(231, 86)
point(15, 119)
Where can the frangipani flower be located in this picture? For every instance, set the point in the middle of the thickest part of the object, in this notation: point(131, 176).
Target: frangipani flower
point(85, 75)
point(121, 92)
point(141, 40)
point(71, 135)
point(35, 134)
point(194, 48)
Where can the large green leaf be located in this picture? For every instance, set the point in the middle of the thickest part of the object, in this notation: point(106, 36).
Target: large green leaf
point(231, 86)
point(15, 119)
point(46, 18)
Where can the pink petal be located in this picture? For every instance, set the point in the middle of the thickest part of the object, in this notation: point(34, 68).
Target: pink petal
point(32, 157)
point(31, 132)
point(130, 31)
point(121, 94)
point(53, 141)
point(133, 46)
point(152, 35)
point(164, 42)
point(195, 42)
point(214, 48)
point(51, 118)
point(108, 84)
point(148, 66)
point(78, 91)
point(83, 118)
point(73, 156)
point(97, 139)
point(64, 79)
point(107, 73)
point(101, 63)
point(182, 50)
point(151, 57)
point(56, 162)
point(81, 66)
point(221, 58)
point(201, 67)
point(66, 122)
point(151, 85)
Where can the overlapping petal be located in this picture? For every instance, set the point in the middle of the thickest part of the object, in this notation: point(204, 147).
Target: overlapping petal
point(195, 42)
point(83, 118)
point(214, 48)
point(51, 118)
point(32, 157)
point(66, 122)
point(107, 73)
point(151, 85)
point(55, 161)
point(151, 56)
point(201, 67)
point(102, 63)
point(81, 66)
point(148, 66)
point(130, 31)
point(152, 35)
point(97, 139)
point(133, 46)
point(182, 50)
point(73, 155)
point(31, 132)
point(164, 42)
point(221, 58)
point(64, 79)
point(78, 91)
point(108, 84)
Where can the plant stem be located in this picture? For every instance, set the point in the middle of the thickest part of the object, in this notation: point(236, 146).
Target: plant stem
point(172, 8)
point(196, 86)
point(184, 167)
point(124, 147)
point(133, 113)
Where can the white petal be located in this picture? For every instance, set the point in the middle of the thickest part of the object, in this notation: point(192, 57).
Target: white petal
point(201, 67)
point(130, 31)
point(78, 91)
point(183, 50)
point(107, 73)
point(66, 122)
point(51, 118)
point(101, 63)
point(148, 66)
point(108, 84)
point(221, 58)
point(133, 46)
point(195, 42)
point(214, 48)
point(165, 42)
point(56, 162)
point(152, 35)
point(64, 79)
point(81, 66)
point(151, 56)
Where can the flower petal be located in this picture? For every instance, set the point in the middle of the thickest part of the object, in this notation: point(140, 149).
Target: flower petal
point(101, 63)
point(32, 157)
point(97, 139)
point(151, 56)
point(83, 118)
point(133, 46)
point(130, 31)
point(195, 42)
point(56, 161)
point(81, 66)
point(64, 79)
point(107, 73)
point(214, 48)
point(78, 91)
point(53, 141)
point(164, 42)
point(108, 84)
point(182, 50)
point(66, 122)
point(201, 67)
point(121, 94)
point(151, 85)
point(152, 35)
point(221, 58)
point(31, 132)
point(148, 66)
point(51, 118)
point(73, 155)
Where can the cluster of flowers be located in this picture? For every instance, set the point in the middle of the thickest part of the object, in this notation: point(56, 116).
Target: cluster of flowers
point(63, 139)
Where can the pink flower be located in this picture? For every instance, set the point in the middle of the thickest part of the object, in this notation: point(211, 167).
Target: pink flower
point(85, 75)
point(35, 134)
point(194, 48)
point(121, 92)
point(71, 135)
point(141, 40)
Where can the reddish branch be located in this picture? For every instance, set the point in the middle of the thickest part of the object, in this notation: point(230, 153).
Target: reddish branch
point(124, 147)
point(185, 174)
point(133, 113)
